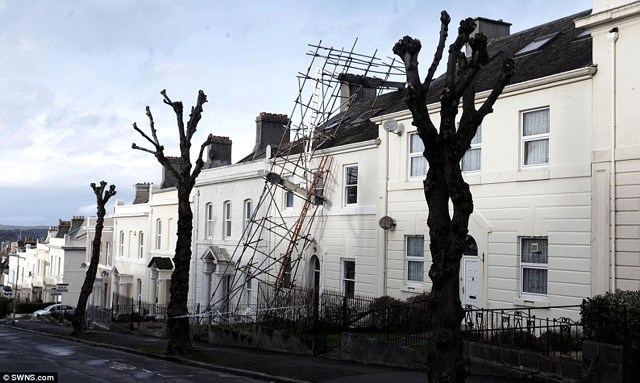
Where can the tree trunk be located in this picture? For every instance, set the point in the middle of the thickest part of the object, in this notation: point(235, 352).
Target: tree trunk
point(79, 323)
point(448, 236)
point(178, 322)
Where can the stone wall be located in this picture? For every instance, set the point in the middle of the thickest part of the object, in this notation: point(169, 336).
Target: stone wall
point(260, 337)
point(602, 362)
point(487, 359)
point(367, 350)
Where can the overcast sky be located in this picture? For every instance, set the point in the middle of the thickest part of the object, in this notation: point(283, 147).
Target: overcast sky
point(75, 75)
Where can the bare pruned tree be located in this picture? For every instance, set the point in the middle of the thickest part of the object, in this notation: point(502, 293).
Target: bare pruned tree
point(178, 322)
point(444, 148)
point(102, 197)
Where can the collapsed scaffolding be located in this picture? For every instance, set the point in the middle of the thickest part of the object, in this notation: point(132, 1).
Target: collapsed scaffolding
point(273, 245)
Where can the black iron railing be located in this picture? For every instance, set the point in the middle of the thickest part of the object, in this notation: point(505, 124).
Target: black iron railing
point(526, 328)
point(323, 316)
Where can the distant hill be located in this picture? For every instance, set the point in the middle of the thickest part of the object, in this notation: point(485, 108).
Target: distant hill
point(11, 233)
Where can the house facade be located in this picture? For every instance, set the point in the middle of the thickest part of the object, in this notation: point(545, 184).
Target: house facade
point(67, 254)
point(546, 230)
point(554, 172)
point(101, 293)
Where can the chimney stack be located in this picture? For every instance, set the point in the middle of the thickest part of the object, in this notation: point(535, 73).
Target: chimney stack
point(492, 29)
point(218, 153)
point(271, 129)
point(63, 228)
point(168, 180)
point(76, 222)
point(142, 193)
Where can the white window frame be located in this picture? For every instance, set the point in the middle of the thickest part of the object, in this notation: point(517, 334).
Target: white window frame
point(158, 234)
point(247, 212)
point(320, 191)
point(227, 223)
point(288, 196)
point(208, 216)
point(248, 286)
point(121, 250)
point(534, 265)
point(108, 251)
point(416, 155)
point(413, 259)
point(346, 280)
point(525, 139)
point(476, 145)
point(141, 245)
point(348, 186)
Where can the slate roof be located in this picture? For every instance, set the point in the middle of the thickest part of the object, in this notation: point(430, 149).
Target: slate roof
point(219, 254)
point(162, 263)
point(563, 53)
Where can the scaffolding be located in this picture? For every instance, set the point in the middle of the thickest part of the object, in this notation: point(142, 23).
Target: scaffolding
point(273, 245)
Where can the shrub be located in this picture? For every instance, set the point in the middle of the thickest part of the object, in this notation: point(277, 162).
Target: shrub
point(5, 303)
point(612, 317)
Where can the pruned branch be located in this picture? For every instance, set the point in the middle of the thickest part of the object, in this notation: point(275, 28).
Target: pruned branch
point(152, 125)
point(508, 70)
point(472, 118)
point(467, 26)
point(102, 195)
point(143, 134)
point(196, 114)
point(134, 146)
point(407, 49)
point(479, 57)
point(445, 19)
point(200, 162)
point(185, 137)
point(179, 110)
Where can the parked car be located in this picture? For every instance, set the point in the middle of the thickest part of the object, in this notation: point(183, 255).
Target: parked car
point(55, 311)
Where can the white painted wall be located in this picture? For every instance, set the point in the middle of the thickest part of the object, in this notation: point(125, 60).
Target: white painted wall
point(511, 201)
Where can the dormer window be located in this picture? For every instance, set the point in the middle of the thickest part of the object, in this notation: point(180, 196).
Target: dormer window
point(536, 45)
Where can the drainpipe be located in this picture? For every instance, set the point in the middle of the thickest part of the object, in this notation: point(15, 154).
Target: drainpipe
point(613, 36)
point(194, 242)
point(386, 212)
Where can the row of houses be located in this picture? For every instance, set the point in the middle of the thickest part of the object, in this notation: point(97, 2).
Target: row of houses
point(554, 171)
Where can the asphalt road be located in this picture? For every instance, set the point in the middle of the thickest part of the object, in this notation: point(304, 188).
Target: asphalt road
point(23, 352)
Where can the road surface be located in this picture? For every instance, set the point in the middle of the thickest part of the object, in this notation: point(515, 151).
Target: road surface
point(28, 353)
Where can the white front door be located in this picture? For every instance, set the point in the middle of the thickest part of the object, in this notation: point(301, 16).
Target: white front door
point(469, 281)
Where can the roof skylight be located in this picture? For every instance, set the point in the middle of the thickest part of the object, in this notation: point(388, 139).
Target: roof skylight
point(583, 35)
point(536, 45)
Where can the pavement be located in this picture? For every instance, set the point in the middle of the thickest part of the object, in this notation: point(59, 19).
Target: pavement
point(260, 364)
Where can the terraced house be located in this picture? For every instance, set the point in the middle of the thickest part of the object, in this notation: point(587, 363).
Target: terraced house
point(554, 171)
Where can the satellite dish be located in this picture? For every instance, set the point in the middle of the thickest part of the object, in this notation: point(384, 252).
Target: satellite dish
point(390, 125)
point(387, 223)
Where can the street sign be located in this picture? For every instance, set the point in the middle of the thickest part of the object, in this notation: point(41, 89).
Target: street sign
point(62, 287)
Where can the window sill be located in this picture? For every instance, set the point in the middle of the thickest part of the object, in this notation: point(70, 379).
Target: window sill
point(532, 302)
point(413, 288)
point(533, 173)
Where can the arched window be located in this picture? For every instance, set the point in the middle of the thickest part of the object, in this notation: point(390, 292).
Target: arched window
point(248, 212)
point(226, 232)
point(208, 227)
point(158, 234)
point(140, 245)
point(121, 253)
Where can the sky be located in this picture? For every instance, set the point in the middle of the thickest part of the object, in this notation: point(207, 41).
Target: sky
point(75, 75)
